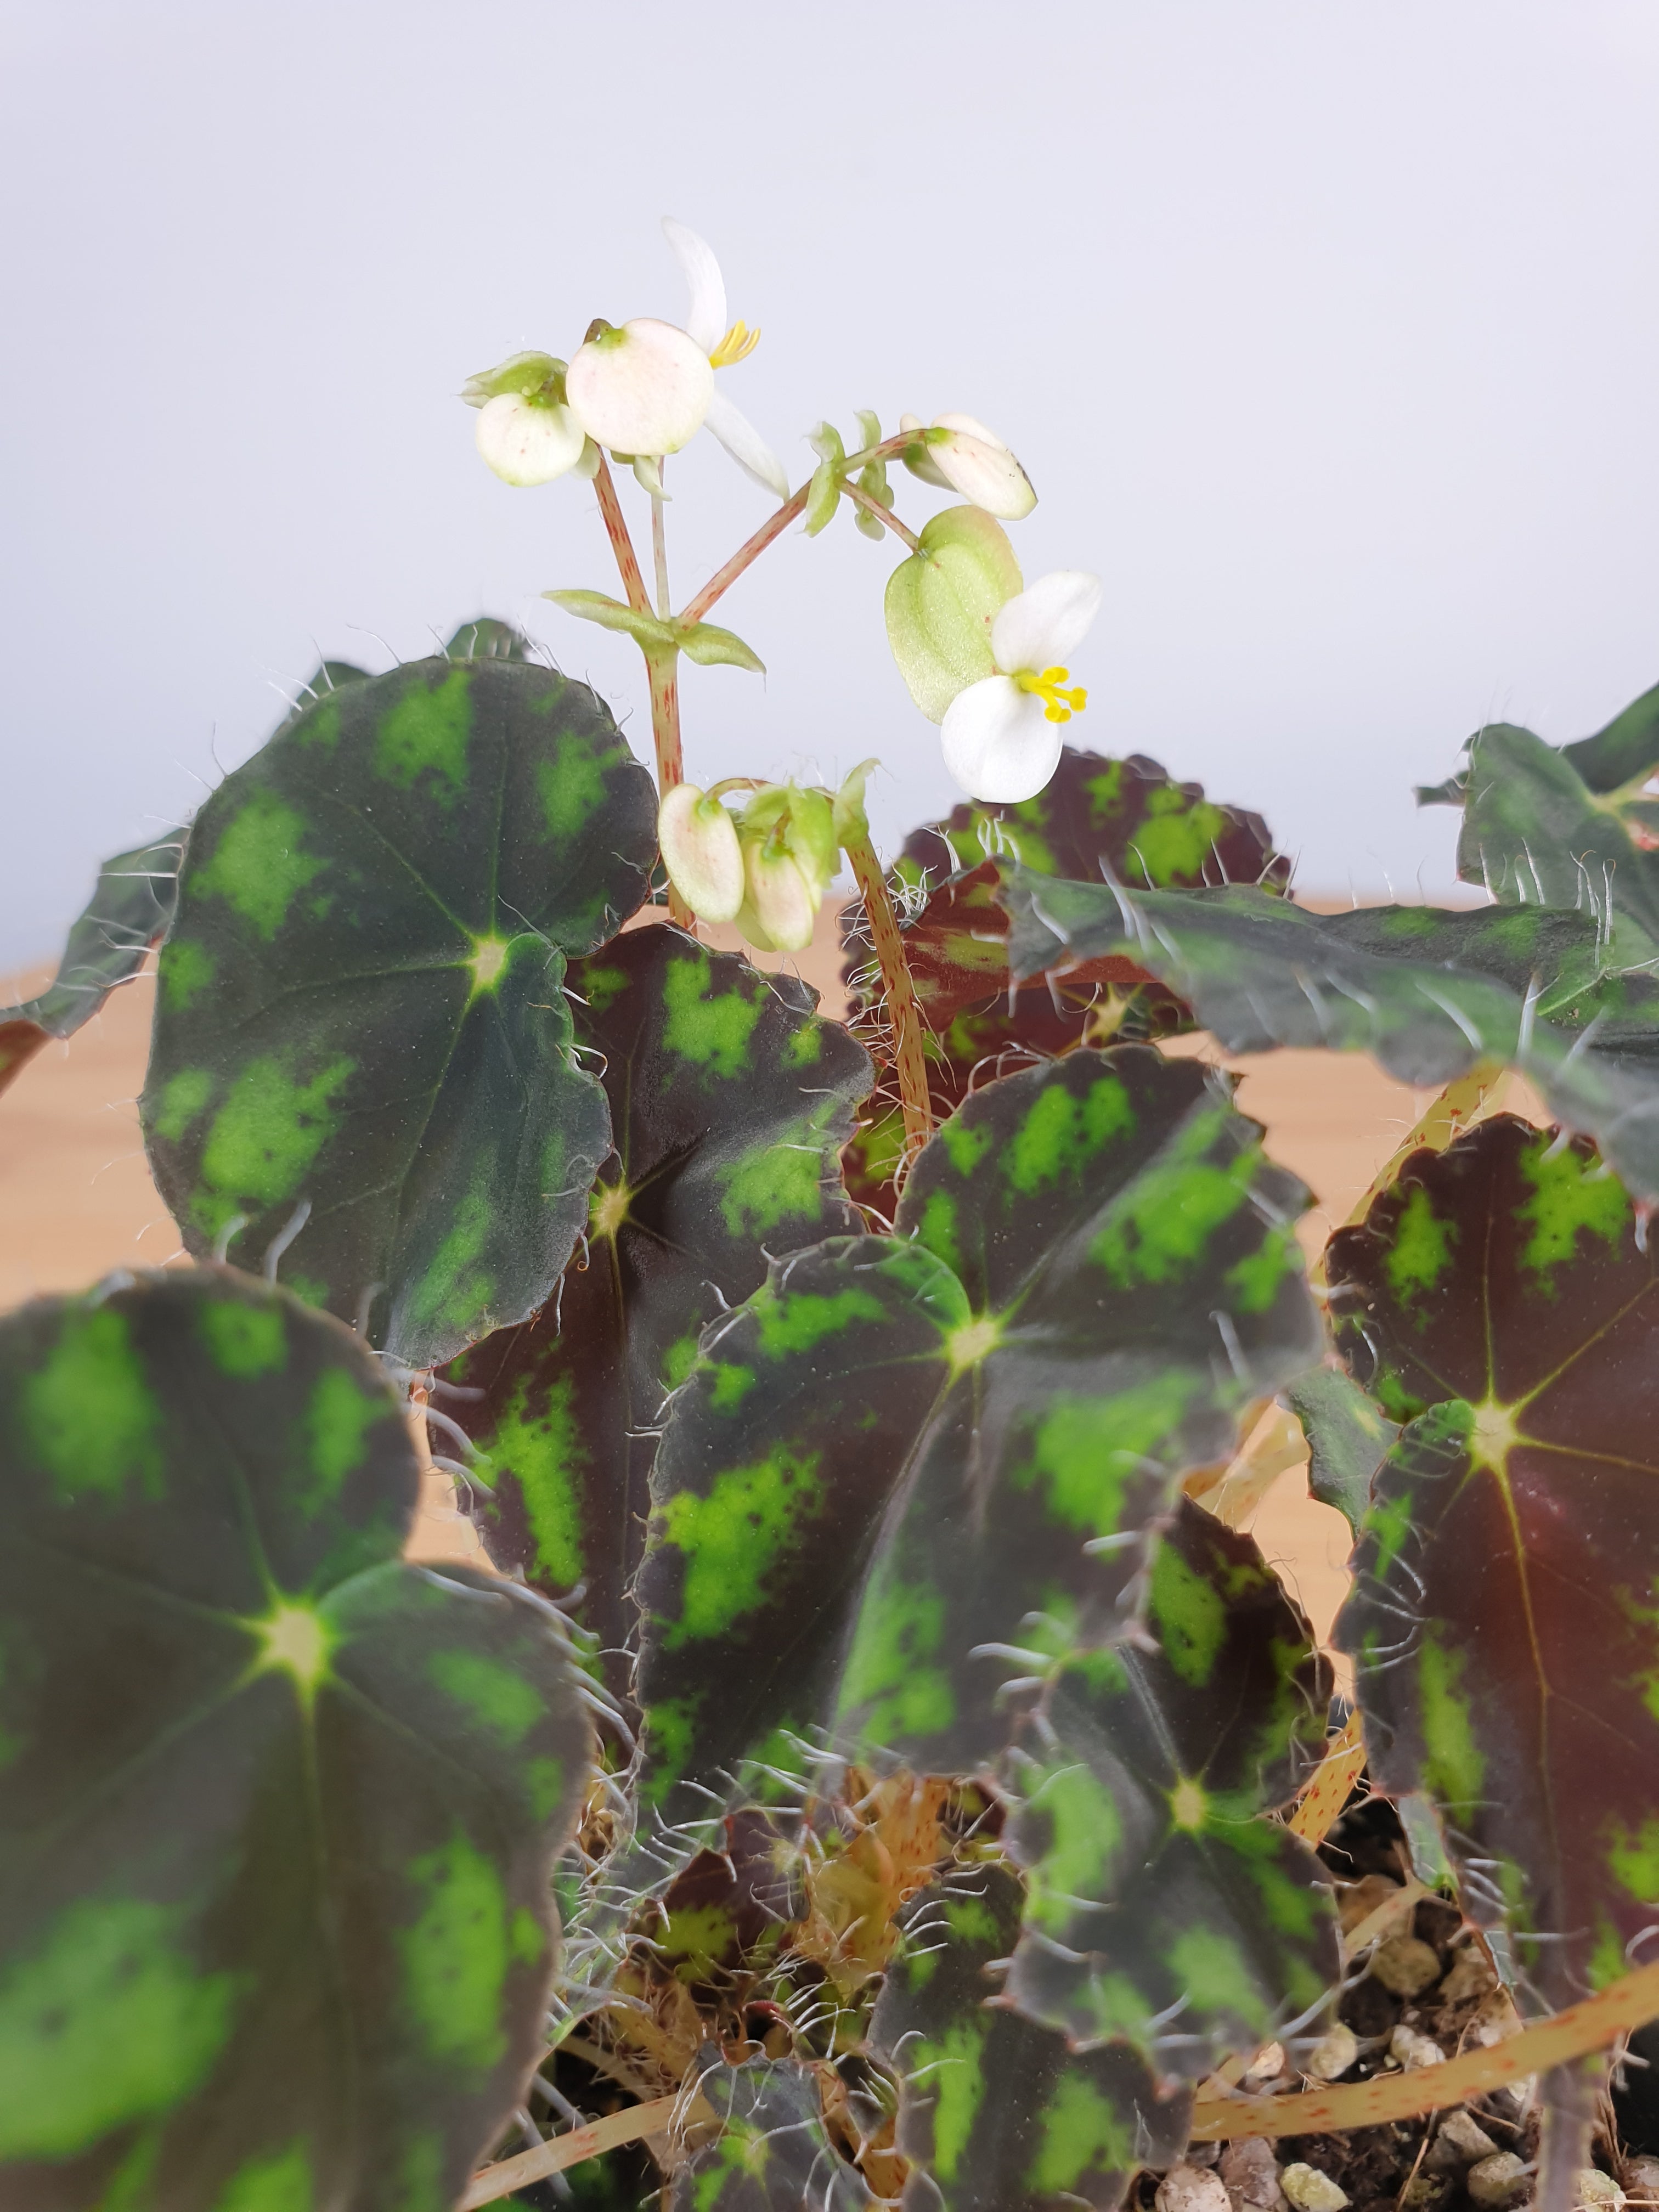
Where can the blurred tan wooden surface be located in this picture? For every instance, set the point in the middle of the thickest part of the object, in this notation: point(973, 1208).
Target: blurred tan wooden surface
point(77, 1200)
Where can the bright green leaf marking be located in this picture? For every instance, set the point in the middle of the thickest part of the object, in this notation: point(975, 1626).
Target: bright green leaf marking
point(90, 1411)
point(1087, 1449)
point(1174, 838)
point(796, 1322)
point(1254, 1282)
point(245, 1340)
point(732, 1385)
point(455, 1955)
point(503, 1702)
point(281, 2184)
point(571, 789)
point(339, 1417)
point(1453, 1766)
point(733, 1536)
point(888, 1669)
point(773, 1183)
point(670, 1728)
point(938, 1230)
point(1421, 1249)
point(184, 972)
point(1571, 1195)
point(603, 987)
point(1217, 1976)
point(1634, 1861)
point(1061, 1132)
point(545, 1452)
point(267, 1134)
point(257, 866)
point(951, 2068)
point(454, 1292)
point(679, 1360)
point(1160, 1226)
point(186, 1095)
point(967, 1143)
point(1084, 1830)
point(1081, 2130)
point(426, 734)
point(1191, 1615)
point(713, 1030)
point(420, 2174)
point(109, 2021)
point(806, 1046)
point(969, 1920)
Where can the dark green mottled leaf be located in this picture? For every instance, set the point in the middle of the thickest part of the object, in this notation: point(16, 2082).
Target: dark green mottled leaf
point(910, 1469)
point(129, 909)
point(1429, 993)
point(998, 2112)
point(1505, 1620)
point(730, 1100)
point(277, 1810)
point(1164, 1908)
point(359, 1006)
point(486, 637)
point(328, 676)
point(1625, 752)
point(1121, 818)
point(773, 2153)
point(1347, 1439)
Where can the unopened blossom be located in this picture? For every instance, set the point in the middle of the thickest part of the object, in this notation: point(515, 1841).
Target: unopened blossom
point(701, 852)
point(790, 850)
point(1002, 735)
point(527, 431)
point(963, 455)
point(725, 344)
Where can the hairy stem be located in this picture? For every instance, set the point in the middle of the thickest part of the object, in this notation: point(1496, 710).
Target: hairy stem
point(1327, 1791)
point(901, 993)
point(1629, 2002)
point(662, 670)
point(884, 514)
point(616, 529)
point(659, 553)
point(723, 579)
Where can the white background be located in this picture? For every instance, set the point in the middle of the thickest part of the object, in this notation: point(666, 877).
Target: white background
point(1328, 332)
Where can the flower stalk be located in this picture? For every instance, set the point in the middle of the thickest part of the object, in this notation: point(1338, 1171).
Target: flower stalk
point(902, 1001)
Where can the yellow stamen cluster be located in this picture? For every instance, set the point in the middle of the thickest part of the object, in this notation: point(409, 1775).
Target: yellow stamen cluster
point(738, 344)
point(1060, 706)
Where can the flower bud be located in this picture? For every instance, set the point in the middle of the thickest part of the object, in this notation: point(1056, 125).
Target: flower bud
point(974, 461)
point(529, 441)
point(702, 853)
point(781, 910)
point(642, 389)
point(942, 601)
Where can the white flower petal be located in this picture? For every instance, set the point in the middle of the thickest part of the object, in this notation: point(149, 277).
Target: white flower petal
point(983, 470)
point(701, 852)
point(998, 745)
point(1043, 625)
point(705, 320)
point(745, 445)
point(966, 422)
point(643, 389)
point(527, 445)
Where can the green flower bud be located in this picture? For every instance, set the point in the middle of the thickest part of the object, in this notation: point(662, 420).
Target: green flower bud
point(523, 375)
point(942, 601)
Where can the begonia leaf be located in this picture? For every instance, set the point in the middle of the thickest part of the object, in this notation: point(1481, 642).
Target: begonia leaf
point(1348, 1438)
point(998, 2112)
point(1163, 1907)
point(773, 2153)
point(1429, 993)
point(1124, 819)
point(360, 1007)
point(129, 909)
point(1501, 1297)
point(730, 1100)
point(279, 1809)
point(906, 1460)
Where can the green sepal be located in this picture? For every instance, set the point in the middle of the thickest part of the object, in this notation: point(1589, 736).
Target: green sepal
point(533, 376)
point(942, 601)
point(823, 497)
point(711, 647)
point(279, 1808)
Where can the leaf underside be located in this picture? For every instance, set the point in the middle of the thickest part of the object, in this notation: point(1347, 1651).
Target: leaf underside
point(1505, 1617)
point(360, 1007)
point(279, 1809)
point(1348, 1438)
point(1164, 1908)
point(905, 1459)
point(998, 2111)
point(730, 1100)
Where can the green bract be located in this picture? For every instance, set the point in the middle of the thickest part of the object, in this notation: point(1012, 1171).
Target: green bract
point(278, 1810)
point(942, 601)
point(361, 1030)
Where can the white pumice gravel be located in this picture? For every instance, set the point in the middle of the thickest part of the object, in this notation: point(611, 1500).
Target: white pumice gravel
point(1191, 2189)
point(1310, 2190)
point(1495, 2181)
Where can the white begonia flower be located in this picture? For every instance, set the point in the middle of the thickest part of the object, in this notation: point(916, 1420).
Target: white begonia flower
point(1002, 735)
point(963, 456)
point(644, 388)
point(724, 344)
point(527, 433)
point(699, 850)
